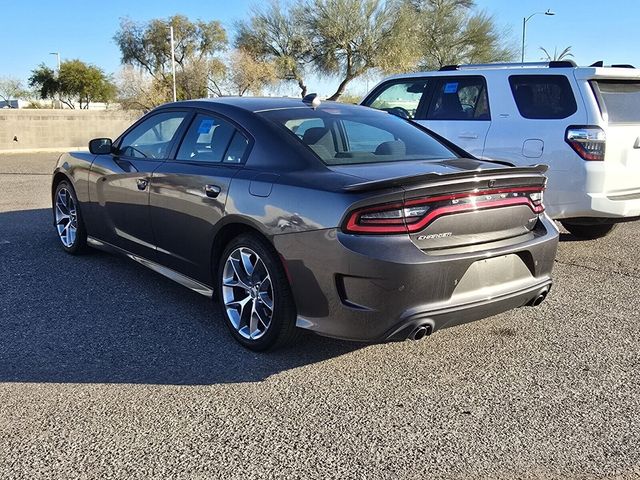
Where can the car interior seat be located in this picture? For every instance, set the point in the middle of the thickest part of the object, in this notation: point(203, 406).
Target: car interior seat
point(451, 108)
point(320, 140)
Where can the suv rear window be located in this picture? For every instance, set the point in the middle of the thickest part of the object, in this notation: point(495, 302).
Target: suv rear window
point(340, 136)
point(621, 100)
point(543, 96)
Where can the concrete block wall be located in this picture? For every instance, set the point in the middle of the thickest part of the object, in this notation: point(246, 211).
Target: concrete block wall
point(60, 129)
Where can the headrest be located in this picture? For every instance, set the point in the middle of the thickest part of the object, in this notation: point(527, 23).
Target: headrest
point(394, 147)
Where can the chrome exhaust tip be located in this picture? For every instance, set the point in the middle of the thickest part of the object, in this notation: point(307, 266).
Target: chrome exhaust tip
point(420, 332)
point(539, 299)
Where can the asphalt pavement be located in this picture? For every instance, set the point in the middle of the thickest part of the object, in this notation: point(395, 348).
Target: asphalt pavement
point(109, 370)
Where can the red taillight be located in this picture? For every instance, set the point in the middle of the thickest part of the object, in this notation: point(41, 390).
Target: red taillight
point(588, 142)
point(415, 214)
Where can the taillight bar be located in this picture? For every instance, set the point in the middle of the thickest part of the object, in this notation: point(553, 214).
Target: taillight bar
point(415, 214)
point(588, 141)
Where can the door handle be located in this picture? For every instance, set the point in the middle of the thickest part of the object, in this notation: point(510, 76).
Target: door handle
point(212, 191)
point(469, 135)
point(142, 183)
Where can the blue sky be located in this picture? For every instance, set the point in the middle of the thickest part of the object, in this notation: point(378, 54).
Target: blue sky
point(84, 29)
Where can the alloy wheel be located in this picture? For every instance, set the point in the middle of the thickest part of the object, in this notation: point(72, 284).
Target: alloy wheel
point(247, 293)
point(66, 217)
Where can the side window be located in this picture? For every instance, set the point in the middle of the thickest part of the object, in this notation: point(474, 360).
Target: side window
point(401, 98)
point(206, 140)
point(237, 148)
point(459, 98)
point(543, 96)
point(152, 137)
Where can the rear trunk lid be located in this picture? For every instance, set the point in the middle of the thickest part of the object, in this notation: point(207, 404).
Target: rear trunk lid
point(449, 204)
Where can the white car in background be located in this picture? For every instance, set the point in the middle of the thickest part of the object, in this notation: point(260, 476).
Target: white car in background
point(584, 122)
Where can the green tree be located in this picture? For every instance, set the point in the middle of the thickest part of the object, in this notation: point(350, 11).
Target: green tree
point(147, 46)
point(563, 55)
point(11, 89)
point(452, 32)
point(350, 37)
point(45, 81)
point(76, 83)
point(275, 33)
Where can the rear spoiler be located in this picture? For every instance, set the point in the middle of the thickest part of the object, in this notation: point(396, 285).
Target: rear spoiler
point(429, 178)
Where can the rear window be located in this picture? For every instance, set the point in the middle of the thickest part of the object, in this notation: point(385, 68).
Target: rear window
point(355, 135)
point(621, 100)
point(543, 96)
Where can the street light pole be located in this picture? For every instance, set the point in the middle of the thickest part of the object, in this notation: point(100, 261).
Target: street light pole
point(57, 54)
point(173, 63)
point(524, 27)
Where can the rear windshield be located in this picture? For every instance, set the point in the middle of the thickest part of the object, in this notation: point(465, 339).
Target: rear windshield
point(543, 96)
point(358, 135)
point(621, 99)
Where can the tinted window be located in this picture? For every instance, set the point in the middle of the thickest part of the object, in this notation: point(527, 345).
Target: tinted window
point(543, 96)
point(299, 126)
point(206, 140)
point(152, 137)
point(237, 148)
point(621, 99)
point(359, 135)
point(403, 97)
point(362, 137)
point(459, 98)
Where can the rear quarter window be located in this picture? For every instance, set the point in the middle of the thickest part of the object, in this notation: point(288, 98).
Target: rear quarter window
point(543, 96)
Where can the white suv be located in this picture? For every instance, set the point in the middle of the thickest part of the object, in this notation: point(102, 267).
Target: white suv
point(584, 122)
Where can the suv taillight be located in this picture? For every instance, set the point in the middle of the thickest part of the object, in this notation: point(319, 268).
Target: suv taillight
point(588, 142)
point(415, 214)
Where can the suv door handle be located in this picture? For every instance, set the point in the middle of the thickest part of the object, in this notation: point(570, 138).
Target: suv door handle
point(470, 135)
point(212, 191)
point(142, 183)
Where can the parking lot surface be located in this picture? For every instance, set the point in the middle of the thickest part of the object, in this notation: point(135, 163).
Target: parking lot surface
point(108, 370)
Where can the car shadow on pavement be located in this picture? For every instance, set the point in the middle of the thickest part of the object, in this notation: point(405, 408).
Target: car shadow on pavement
point(100, 318)
point(568, 237)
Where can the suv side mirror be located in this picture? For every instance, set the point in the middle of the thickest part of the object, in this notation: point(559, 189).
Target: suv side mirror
point(100, 146)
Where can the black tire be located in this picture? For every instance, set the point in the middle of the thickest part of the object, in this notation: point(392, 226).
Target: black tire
point(77, 243)
point(588, 232)
point(281, 329)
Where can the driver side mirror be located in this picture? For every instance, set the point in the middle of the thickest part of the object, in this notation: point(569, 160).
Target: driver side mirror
point(101, 146)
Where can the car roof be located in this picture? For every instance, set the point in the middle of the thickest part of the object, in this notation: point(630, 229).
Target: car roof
point(258, 104)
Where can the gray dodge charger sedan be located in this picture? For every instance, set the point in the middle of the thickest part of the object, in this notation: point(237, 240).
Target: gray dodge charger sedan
point(295, 214)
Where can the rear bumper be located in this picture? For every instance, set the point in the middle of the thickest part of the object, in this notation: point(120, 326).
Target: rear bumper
point(375, 288)
point(606, 189)
point(458, 314)
point(613, 205)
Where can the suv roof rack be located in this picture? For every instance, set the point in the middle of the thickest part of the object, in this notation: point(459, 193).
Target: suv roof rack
point(600, 63)
point(552, 64)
